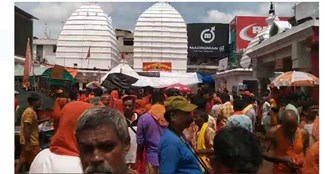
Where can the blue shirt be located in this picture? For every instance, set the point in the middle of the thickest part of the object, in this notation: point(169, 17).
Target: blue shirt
point(175, 157)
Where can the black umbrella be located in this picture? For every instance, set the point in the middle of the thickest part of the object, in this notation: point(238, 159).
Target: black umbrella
point(118, 80)
point(121, 76)
point(47, 101)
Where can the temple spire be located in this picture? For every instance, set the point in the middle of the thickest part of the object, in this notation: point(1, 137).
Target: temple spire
point(272, 9)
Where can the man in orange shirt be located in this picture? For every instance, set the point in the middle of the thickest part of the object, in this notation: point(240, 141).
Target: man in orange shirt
point(311, 163)
point(116, 102)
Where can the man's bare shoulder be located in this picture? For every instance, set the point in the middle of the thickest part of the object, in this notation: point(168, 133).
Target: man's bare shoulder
point(271, 133)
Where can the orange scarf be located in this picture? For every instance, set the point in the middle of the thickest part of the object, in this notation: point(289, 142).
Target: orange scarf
point(238, 113)
point(58, 105)
point(157, 111)
point(114, 95)
point(64, 141)
point(56, 113)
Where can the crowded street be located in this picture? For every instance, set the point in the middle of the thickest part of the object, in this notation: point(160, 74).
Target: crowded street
point(235, 93)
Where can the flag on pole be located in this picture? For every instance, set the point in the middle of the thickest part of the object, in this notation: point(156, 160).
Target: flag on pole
point(28, 67)
point(88, 54)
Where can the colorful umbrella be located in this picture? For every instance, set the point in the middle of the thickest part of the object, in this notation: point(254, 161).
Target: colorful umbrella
point(92, 84)
point(295, 78)
point(180, 87)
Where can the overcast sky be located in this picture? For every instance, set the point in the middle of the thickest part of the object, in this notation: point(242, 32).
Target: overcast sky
point(125, 14)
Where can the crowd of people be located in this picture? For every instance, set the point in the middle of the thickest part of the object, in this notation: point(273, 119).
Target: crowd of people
point(156, 131)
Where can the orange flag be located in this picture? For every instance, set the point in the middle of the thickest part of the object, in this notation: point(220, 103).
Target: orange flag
point(28, 67)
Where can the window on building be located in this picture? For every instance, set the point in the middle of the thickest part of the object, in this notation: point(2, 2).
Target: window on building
point(39, 51)
point(127, 41)
point(54, 48)
point(75, 64)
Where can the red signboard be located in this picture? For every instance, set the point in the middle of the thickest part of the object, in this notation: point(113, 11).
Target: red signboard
point(157, 66)
point(247, 27)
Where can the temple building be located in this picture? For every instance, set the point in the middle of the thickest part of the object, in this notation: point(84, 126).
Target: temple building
point(160, 40)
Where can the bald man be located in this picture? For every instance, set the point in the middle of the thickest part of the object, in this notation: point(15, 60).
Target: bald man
point(287, 144)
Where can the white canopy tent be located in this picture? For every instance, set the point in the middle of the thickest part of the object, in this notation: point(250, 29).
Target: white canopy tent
point(167, 79)
point(123, 68)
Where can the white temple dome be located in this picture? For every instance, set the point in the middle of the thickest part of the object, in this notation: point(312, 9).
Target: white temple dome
point(160, 36)
point(88, 29)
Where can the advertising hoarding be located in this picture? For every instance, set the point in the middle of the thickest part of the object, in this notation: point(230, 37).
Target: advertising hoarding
point(207, 40)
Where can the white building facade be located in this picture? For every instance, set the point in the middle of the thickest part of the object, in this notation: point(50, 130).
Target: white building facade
point(125, 44)
point(88, 40)
point(160, 36)
point(44, 50)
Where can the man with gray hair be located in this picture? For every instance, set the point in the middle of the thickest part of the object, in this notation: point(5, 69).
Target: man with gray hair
point(103, 139)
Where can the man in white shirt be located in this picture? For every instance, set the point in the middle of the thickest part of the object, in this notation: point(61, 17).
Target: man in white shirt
point(132, 119)
point(266, 109)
